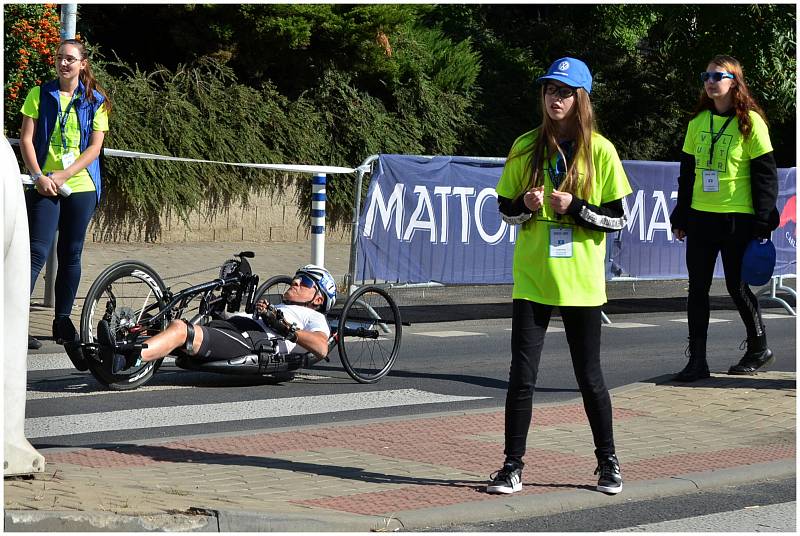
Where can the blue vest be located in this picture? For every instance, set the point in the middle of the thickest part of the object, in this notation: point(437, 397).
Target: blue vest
point(48, 120)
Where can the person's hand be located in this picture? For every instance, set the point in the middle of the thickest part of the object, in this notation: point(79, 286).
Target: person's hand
point(261, 305)
point(59, 177)
point(680, 234)
point(560, 201)
point(273, 319)
point(46, 187)
point(534, 198)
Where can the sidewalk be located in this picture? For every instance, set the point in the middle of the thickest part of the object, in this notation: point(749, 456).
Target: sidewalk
point(416, 472)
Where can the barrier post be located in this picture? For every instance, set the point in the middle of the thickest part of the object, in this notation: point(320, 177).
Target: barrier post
point(318, 219)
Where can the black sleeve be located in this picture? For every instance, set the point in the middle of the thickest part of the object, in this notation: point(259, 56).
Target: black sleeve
point(680, 215)
point(764, 187)
point(513, 211)
point(608, 217)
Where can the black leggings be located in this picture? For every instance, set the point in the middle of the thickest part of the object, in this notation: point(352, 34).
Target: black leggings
point(528, 328)
point(709, 234)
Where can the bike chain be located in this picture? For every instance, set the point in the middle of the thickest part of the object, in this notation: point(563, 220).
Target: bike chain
point(191, 273)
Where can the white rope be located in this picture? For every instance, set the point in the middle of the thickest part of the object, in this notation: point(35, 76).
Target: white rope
point(299, 168)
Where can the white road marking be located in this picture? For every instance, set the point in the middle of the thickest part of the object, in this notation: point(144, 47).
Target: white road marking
point(59, 361)
point(774, 315)
point(444, 334)
point(230, 411)
point(710, 320)
point(85, 389)
point(627, 325)
point(550, 329)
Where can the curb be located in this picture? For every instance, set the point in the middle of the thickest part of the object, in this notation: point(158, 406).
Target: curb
point(206, 520)
point(582, 499)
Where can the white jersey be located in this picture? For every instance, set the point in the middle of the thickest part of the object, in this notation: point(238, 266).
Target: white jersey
point(302, 317)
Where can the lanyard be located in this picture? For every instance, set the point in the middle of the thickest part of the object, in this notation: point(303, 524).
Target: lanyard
point(715, 138)
point(62, 120)
point(557, 174)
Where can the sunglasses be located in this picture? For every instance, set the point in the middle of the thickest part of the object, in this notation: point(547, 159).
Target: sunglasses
point(715, 77)
point(305, 281)
point(561, 91)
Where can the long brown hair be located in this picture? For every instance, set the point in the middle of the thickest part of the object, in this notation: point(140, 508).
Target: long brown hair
point(743, 101)
point(87, 76)
point(576, 181)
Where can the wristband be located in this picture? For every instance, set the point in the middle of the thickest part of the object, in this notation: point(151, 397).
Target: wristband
point(35, 176)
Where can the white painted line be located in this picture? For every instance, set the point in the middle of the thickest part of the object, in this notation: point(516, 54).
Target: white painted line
point(58, 361)
point(627, 325)
point(444, 334)
point(550, 329)
point(85, 389)
point(710, 320)
point(230, 411)
point(774, 315)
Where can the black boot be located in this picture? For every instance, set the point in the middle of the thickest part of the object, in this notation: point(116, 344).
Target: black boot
point(757, 356)
point(697, 367)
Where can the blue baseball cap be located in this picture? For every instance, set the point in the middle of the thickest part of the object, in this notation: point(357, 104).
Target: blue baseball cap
point(570, 71)
point(758, 262)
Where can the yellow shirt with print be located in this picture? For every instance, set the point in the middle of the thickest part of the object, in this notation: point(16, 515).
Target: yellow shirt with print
point(731, 161)
point(578, 280)
point(81, 181)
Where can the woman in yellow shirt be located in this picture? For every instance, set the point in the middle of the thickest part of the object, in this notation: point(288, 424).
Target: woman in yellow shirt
point(563, 183)
point(63, 127)
point(727, 191)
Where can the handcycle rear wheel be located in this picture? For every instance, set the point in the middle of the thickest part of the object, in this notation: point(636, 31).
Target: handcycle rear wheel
point(124, 294)
point(369, 333)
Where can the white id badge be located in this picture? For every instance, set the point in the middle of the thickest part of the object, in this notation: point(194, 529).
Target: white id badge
point(560, 242)
point(67, 159)
point(710, 180)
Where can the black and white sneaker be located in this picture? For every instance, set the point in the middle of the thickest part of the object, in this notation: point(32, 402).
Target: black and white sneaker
point(610, 480)
point(506, 480)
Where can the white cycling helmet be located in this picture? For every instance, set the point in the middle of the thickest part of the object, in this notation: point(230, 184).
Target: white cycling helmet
point(325, 284)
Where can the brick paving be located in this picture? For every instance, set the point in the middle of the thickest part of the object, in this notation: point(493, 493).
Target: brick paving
point(396, 466)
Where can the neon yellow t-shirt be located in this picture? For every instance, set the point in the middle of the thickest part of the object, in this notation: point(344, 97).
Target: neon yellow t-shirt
point(81, 181)
point(577, 280)
point(732, 155)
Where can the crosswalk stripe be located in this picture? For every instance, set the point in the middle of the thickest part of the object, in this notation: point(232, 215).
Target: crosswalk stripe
point(773, 315)
point(59, 361)
point(550, 329)
point(85, 389)
point(628, 325)
point(132, 419)
point(710, 320)
point(444, 334)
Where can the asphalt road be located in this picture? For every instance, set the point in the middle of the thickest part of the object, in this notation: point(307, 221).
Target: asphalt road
point(443, 366)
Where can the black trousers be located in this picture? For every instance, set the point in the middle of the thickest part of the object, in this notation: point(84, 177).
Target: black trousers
point(528, 327)
point(709, 234)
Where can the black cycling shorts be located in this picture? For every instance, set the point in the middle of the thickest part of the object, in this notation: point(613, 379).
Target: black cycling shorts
point(228, 339)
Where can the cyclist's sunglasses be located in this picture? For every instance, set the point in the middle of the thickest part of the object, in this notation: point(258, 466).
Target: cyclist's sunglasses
point(305, 281)
point(714, 77)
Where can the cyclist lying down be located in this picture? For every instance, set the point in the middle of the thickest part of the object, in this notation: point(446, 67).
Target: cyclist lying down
point(298, 324)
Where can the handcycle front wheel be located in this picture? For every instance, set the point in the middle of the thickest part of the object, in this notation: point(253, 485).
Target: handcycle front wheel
point(369, 333)
point(126, 295)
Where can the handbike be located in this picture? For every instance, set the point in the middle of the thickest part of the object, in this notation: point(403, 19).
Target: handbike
point(137, 305)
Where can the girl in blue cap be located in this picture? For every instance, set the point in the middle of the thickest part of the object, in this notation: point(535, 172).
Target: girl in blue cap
point(563, 183)
point(727, 190)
